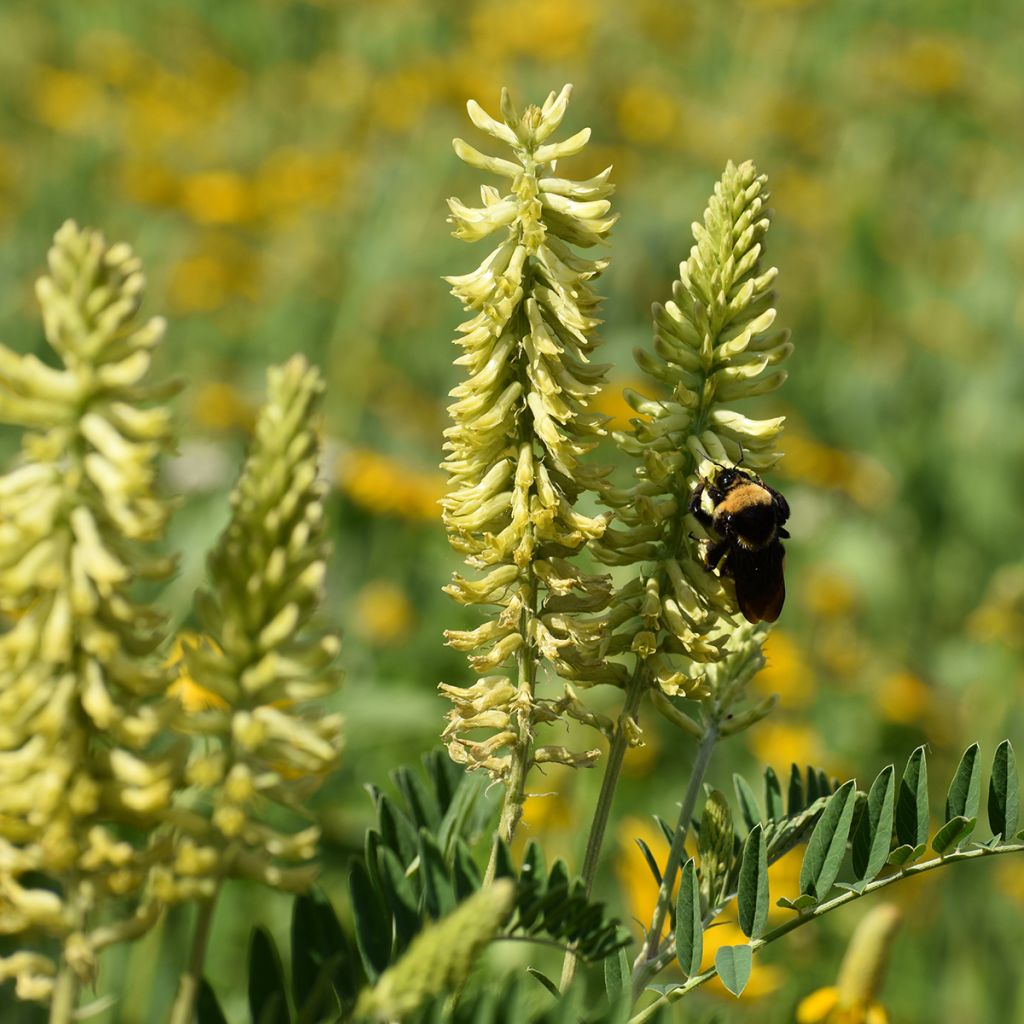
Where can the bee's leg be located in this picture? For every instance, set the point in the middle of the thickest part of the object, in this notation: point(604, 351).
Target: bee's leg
point(696, 509)
point(716, 553)
point(782, 533)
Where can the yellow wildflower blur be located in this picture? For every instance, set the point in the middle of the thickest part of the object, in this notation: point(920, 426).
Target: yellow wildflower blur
point(785, 672)
point(385, 486)
point(853, 998)
point(383, 613)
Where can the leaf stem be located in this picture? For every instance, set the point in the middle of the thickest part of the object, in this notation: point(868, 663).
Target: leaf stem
point(820, 910)
point(183, 1010)
point(65, 995)
point(599, 825)
point(649, 951)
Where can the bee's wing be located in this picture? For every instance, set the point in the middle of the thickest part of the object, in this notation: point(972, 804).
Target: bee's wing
point(760, 584)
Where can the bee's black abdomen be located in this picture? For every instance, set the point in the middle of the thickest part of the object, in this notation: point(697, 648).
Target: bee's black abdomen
point(760, 584)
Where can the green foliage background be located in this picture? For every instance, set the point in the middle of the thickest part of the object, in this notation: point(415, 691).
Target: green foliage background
point(282, 167)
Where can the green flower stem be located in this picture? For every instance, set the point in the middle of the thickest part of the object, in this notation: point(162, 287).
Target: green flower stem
point(642, 967)
point(183, 1010)
point(819, 911)
point(65, 995)
point(515, 791)
point(613, 768)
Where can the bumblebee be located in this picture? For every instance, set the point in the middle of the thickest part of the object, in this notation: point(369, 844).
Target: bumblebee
point(747, 516)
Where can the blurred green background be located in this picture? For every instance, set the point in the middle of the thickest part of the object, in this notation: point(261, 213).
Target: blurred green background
point(282, 168)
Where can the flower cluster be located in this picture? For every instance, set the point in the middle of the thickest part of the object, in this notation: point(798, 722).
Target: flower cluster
point(83, 772)
point(714, 345)
point(262, 659)
point(521, 428)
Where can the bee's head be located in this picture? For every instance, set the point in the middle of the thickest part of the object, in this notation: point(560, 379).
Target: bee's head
point(728, 478)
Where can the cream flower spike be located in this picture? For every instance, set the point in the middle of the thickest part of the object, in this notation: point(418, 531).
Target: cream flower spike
point(84, 776)
point(516, 450)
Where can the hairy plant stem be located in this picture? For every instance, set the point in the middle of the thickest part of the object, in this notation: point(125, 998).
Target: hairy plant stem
point(183, 1010)
point(643, 965)
point(820, 910)
point(613, 768)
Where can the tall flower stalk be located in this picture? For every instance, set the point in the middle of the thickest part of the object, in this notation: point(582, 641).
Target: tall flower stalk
point(263, 660)
point(84, 773)
point(515, 451)
point(714, 344)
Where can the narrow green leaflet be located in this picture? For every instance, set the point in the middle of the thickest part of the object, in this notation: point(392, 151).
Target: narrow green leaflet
point(964, 793)
point(1003, 796)
point(954, 832)
point(267, 995)
point(827, 844)
point(689, 930)
point(422, 803)
point(752, 894)
point(208, 1009)
point(617, 976)
point(912, 804)
point(795, 793)
point(373, 929)
point(438, 890)
point(747, 802)
point(733, 965)
point(544, 980)
point(772, 795)
point(401, 895)
point(649, 857)
point(873, 834)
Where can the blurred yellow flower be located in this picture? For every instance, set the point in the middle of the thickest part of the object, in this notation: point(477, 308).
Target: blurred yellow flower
point(218, 197)
point(68, 101)
point(544, 30)
point(611, 403)
point(904, 698)
point(192, 697)
point(385, 486)
point(291, 180)
point(218, 405)
point(647, 114)
point(383, 613)
point(927, 65)
point(860, 477)
point(1010, 878)
point(829, 593)
point(220, 270)
point(639, 889)
point(1000, 616)
point(822, 1007)
point(785, 671)
point(779, 742)
point(852, 1000)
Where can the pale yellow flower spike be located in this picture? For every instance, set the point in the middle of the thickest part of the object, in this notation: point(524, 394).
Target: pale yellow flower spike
point(81, 786)
point(521, 428)
point(262, 662)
